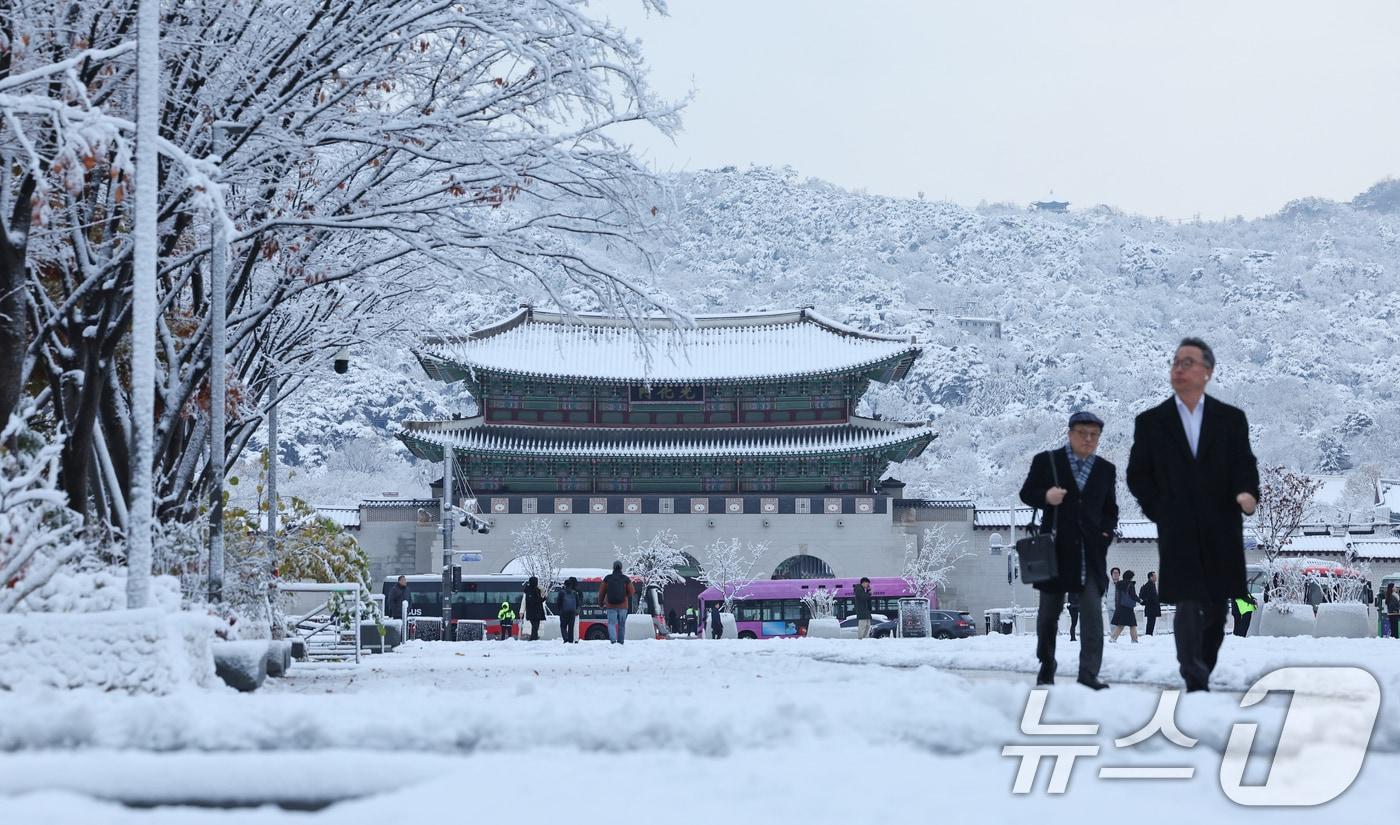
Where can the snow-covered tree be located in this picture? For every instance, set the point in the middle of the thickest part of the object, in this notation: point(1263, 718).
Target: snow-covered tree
point(540, 552)
point(38, 533)
point(1284, 499)
point(654, 560)
point(929, 560)
point(385, 150)
point(728, 565)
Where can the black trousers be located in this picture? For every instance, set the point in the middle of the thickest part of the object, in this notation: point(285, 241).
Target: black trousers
point(566, 626)
point(1199, 632)
point(534, 630)
point(1073, 621)
point(506, 630)
point(1394, 625)
point(1151, 625)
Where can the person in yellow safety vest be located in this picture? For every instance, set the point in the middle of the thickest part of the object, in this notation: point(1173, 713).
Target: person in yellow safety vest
point(1243, 610)
point(507, 617)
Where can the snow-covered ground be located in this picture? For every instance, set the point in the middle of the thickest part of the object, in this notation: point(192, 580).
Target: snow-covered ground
point(687, 730)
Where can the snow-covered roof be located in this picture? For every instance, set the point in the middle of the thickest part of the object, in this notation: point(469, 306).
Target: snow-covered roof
point(1137, 530)
point(658, 348)
point(1388, 491)
point(996, 518)
point(935, 503)
point(1332, 489)
point(344, 515)
point(474, 435)
point(1000, 517)
point(399, 502)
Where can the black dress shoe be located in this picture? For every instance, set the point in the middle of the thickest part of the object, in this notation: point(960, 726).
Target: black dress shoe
point(1093, 684)
point(1045, 677)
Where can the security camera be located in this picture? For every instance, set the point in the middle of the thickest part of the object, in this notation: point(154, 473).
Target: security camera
point(342, 360)
point(474, 522)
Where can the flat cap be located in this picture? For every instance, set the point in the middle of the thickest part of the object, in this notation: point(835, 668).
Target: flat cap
point(1085, 417)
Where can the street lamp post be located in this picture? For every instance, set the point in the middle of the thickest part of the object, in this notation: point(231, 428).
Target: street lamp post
point(218, 346)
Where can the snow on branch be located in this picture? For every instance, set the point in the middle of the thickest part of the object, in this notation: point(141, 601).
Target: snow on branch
point(655, 560)
point(930, 559)
point(728, 566)
point(1284, 499)
point(38, 533)
point(540, 552)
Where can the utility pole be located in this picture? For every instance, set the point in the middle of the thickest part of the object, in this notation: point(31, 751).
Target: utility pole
point(272, 467)
point(218, 391)
point(447, 482)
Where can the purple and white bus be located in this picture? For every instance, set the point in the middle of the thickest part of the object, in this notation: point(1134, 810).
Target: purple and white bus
point(773, 608)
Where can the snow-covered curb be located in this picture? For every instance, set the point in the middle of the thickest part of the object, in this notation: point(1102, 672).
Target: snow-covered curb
point(132, 651)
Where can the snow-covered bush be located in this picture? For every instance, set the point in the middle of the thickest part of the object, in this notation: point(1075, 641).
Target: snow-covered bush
point(309, 546)
point(38, 533)
point(728, 566)
point(133, 651)
point(821, 602)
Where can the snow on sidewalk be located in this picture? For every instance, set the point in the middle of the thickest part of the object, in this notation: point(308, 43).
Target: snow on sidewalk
point(755, 721)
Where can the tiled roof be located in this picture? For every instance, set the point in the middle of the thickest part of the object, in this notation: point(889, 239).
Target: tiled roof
point(713, 347)
point(473, 435)
point(342, 515)
point(937, 503)
point(999, 517)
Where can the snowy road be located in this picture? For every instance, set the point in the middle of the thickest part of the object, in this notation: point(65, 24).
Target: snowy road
point(816, 730)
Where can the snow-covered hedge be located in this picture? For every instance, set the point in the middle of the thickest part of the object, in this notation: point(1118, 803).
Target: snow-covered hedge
point(97, 590)
point(134, 651)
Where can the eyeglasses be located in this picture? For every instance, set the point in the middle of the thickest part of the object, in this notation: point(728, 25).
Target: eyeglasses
point(1091, 435)
point(1184, 364)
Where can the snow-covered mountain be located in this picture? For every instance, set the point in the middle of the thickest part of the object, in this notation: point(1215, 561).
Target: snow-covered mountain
point(1302, 307)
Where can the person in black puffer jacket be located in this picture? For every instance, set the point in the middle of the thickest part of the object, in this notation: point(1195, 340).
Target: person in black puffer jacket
point(534, 607)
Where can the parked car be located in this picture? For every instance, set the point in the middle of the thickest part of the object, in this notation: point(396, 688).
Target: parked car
point(942, 624)
point(850, 630)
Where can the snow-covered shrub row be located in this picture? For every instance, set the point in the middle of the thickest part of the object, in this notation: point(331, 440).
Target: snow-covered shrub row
point(97, 589)
point(132, 651)
point(38, 533)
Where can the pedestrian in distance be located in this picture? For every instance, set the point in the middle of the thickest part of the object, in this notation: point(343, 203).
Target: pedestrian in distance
point(1114, 576)
point(862, 594)
point(1312, 594)
point(1242, 609)
point(1193, 472)
point(716, 623)
point(673, 621)
point(692, 623)
point(506, 616)
point(1151, 604)
point(398, 594)
point(534, 606)
point(1074, 490)
point(1392, 609)
point(615, 594)
point(1125, 602)
point(1368, 595)
point(567, 605)
point(1072, 605)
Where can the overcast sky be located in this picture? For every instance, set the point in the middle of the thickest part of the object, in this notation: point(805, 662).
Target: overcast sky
point(1167, 108)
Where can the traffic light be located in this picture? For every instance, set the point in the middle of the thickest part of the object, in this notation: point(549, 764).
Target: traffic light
point(456, 576)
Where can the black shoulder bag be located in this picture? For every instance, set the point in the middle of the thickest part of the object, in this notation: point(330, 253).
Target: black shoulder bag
point(1039, 562)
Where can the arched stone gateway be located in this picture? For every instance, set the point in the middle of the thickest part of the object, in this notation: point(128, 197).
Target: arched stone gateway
point(803, 567)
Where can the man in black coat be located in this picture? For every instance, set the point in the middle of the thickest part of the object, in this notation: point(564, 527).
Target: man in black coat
point(1078, 490)
point(393, 605)
point(1151, 603)
point(1194, 474)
